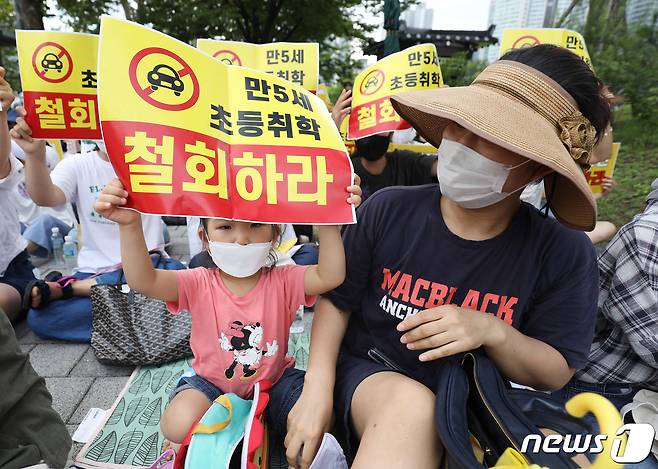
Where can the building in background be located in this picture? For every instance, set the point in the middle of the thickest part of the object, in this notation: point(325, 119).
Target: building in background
point(641, 11)
point(545, 13)
point(528, 14)
point(419, 17)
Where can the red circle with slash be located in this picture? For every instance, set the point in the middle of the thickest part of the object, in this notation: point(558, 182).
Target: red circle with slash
point(526, 41)
point(62, 53)
point(374, 78)
point(145, 92)
point(228, 55)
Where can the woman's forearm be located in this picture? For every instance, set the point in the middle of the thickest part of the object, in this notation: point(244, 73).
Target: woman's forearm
point(329, 326)
point(527, 361)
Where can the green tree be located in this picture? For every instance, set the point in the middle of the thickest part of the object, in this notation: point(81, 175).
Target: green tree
point(459, 70)
point(8, 58)
point(256, 21)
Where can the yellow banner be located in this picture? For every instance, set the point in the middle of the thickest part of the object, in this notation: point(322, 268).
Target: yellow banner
point(298, 62)
point(604, 169)
point(58, 75)
point(415, 147)
point(193, 136)
point(415, 68)
point(572, 40)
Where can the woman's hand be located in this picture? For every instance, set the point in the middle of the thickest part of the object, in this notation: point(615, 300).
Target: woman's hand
point(308, 421)
point(342, 107)
point(110, 201)
point(448, 330)
point(355, 192)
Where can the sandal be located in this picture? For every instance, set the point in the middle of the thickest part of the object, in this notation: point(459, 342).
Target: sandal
point(44, 290)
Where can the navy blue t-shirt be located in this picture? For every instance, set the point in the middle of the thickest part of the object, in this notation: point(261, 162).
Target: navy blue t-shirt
point(537, 275)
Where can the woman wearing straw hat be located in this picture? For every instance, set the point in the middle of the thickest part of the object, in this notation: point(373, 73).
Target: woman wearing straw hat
point(424, 264)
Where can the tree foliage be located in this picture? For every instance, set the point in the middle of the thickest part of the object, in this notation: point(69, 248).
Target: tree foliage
point(256, 21)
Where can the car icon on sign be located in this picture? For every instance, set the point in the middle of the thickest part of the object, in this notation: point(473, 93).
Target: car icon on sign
point(166, 77)
point(50, 61)
point(372, 81)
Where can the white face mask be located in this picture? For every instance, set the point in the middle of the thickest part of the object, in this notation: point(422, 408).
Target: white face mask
point(239, 260)
point(470, 179)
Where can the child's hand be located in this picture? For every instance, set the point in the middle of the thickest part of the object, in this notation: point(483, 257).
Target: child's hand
point(22, 135)
point(6, 94)
point(341, 108)
point(110, 201)
point(355, 192)
point(607, 186)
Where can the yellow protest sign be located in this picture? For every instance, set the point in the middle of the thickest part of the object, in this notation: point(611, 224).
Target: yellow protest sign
point(517, 38)
point(58, 75)
point(298, 62)
point(415, 68)
point(349, 144)
point(604, 169)
point(57, 145)
point(194, 136)
point(415, 147)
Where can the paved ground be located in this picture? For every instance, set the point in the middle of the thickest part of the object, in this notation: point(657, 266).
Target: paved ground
point(76, 380)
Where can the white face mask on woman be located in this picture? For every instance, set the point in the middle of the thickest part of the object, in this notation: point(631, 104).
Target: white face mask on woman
point(239, 260)
point(469, 178)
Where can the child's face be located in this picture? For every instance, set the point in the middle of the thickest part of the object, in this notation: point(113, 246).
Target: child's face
point(225, 231)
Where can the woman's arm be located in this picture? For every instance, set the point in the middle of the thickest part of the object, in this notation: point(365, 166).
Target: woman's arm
point(330, 270)
point(310, 418)
point(448, 330)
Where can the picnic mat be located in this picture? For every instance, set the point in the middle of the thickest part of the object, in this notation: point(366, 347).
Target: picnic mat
point(130, 436)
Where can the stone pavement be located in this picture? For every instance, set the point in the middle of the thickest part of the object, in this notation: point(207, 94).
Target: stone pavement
point(76, 380)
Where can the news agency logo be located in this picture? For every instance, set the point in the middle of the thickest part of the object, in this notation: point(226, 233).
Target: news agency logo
point(632, 449)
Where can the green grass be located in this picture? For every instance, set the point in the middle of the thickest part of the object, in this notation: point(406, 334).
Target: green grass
point(637, 167)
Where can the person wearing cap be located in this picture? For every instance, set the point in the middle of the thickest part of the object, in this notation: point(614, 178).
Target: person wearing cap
point(436, 270)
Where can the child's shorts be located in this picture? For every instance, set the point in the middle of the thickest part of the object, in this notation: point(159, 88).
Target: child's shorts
point(19, 273)
point(283, 395)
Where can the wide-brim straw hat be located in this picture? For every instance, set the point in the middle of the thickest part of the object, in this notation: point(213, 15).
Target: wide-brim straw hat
point(522, 110)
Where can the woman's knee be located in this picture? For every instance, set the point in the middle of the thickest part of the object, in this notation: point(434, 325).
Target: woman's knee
point(395, 400)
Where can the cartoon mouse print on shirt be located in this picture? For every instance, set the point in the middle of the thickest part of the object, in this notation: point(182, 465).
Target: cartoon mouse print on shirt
point(244, 341)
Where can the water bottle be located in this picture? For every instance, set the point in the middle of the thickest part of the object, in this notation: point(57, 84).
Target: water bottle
point(57, 243)
point(70, 253)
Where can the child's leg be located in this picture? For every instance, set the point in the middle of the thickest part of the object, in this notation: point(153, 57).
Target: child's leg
point(186, 407)
point(283, 397)
point(80, 288)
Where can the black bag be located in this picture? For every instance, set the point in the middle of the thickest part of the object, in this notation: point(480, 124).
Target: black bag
point(477, 407)
point(131, 329)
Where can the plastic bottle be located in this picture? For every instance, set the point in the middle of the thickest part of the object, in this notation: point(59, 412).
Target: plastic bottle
point(70, 253)
point(57, 243)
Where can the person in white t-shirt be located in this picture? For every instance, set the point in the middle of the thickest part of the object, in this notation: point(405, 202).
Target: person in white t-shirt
point(78, 180)
point(15, 268)
point(37, 222)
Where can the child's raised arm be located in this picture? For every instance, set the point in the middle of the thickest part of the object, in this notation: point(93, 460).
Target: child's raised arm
point(330, 270)
point(137, 267)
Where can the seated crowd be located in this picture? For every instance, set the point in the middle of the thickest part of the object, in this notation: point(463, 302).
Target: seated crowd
point(410, 280)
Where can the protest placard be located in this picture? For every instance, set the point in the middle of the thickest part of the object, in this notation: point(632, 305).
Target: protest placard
point(58, 76)
point(517, 38)
point(604, 169)
point(194, 136)
point(298, 62)
point(415, 68)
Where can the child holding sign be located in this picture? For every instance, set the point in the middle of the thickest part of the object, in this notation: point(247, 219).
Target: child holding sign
point(241, 311)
